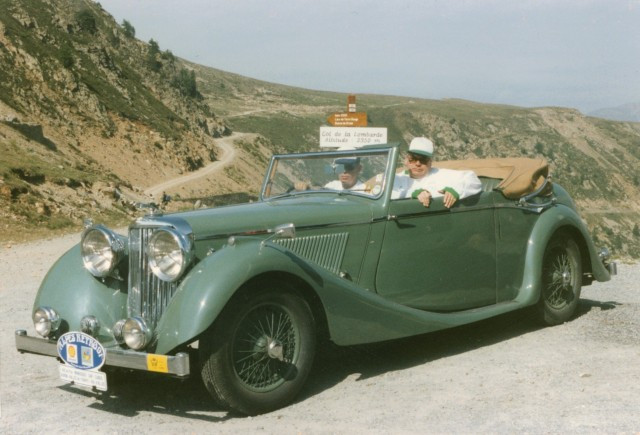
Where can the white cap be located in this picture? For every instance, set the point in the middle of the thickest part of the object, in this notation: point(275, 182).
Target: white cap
point(421, 146)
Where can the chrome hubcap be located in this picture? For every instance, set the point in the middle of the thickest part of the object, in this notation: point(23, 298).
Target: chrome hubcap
point(559, 282)
point(275, 350)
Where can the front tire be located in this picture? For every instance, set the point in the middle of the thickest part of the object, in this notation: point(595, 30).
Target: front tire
point(561, 281)
point(259, 352)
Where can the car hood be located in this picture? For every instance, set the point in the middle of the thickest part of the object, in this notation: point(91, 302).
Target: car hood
point(303, 211)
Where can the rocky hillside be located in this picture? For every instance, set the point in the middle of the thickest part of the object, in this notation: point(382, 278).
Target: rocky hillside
point(88, 108)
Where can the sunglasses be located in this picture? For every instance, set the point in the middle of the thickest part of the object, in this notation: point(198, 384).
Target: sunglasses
point(412, 158)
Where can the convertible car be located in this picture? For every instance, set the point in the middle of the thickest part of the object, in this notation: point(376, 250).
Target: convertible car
point(242, 295)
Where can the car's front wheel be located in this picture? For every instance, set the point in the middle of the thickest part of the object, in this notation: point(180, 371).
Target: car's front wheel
point(258, 354)
point(561, 281)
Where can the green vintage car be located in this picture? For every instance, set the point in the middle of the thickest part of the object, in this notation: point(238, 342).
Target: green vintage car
point(243, 295)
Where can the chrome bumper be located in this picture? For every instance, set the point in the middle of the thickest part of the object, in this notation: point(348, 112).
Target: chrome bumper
point(612, 268)
point(177, 365)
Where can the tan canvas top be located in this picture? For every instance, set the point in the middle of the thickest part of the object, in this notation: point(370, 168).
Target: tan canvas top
point(520, 176)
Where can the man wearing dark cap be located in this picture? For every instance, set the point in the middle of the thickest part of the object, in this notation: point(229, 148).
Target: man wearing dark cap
point(422, 182)
point(348, 169)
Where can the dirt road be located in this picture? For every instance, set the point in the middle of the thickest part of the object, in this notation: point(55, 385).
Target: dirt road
point(505, 375)
point(227, 156)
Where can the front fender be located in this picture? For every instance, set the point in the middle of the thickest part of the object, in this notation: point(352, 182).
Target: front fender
point(547, 225)
point(208, 287)
point(74, 293)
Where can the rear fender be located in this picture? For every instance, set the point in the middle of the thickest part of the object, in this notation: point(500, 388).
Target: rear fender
point(558, 218)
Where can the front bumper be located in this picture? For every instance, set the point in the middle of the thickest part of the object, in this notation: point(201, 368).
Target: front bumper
point(176, 365)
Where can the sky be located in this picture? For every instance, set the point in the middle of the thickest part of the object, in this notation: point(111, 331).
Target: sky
point(583, 54)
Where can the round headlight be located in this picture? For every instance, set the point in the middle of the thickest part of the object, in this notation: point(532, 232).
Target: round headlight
point(101, 250)
point(170, 252)
point(135, 333)
point(46, 321)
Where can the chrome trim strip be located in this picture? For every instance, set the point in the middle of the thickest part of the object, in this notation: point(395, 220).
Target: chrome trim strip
point(178, 365)
point(263, 232)
point(371, 221)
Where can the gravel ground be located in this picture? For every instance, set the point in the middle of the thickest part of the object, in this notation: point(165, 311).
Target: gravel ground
point(503, 375)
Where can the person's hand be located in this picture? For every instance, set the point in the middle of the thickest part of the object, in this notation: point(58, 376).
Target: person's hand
point(425, 198)
point(448, 199)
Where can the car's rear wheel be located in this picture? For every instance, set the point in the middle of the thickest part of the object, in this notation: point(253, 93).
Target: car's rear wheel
point(561, 281)
point(258, 354)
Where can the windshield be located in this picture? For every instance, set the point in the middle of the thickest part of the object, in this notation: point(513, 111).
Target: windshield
point(354, 172)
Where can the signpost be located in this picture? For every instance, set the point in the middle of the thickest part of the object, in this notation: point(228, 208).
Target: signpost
point(349, 129)
point(354, 119)
point(351, 137)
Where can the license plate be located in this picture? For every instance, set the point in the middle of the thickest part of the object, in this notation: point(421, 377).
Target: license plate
point(85, 378)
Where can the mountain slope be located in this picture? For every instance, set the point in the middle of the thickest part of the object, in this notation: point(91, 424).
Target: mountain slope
point(82, 102)
point(87, 110)
point(626, 112)
point(596, 160)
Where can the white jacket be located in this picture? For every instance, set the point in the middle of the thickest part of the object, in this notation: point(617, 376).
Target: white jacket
point(461, 183)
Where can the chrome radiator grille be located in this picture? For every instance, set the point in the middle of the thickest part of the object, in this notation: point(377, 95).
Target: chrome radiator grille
point(325, 250)
point(148, 295)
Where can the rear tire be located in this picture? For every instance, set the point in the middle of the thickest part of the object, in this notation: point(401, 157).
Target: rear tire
point(561, 281)
point(258, 354)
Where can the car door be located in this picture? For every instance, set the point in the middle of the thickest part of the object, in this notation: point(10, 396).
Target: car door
point(438, 259)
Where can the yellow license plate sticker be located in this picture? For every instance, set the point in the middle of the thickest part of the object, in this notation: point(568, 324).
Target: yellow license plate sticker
point(157, 363)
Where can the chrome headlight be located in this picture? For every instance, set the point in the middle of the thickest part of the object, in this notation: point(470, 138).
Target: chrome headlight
point(136, 333)
point(46, 321)
point(101, 250)
point(170, 252)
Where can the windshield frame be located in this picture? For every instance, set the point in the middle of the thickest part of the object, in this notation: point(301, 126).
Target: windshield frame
point(389, 171)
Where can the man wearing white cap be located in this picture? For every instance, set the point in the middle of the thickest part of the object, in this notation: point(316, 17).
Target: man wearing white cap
point(422, 182)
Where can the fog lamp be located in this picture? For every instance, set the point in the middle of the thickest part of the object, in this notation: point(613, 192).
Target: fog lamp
point(135, 332)
point(46, 321)
point(117, 331)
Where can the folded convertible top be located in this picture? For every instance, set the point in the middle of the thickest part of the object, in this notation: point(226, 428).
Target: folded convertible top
point(520, 176)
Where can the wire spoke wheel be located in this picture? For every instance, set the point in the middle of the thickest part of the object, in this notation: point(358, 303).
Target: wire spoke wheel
point(561, 280)
point(265, 347)
point(258, 354)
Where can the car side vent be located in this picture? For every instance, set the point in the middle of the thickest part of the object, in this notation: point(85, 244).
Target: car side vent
point(326, 250)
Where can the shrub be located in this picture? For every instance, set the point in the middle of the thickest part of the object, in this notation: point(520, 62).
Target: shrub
point(128, 29)
point(152, 62)
point(185, 83)
point(66, 56)
point(86, 21)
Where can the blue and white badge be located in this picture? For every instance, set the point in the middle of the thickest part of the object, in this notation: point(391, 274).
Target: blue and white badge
point(81, 351)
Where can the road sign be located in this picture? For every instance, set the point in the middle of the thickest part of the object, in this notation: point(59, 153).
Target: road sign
point(351, 137)
point(351, 103)
point(355, 119)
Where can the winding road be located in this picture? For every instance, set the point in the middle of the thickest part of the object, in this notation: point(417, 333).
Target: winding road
point(228, 154)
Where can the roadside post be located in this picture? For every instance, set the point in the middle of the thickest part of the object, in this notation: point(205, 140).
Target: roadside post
point(349, 129)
